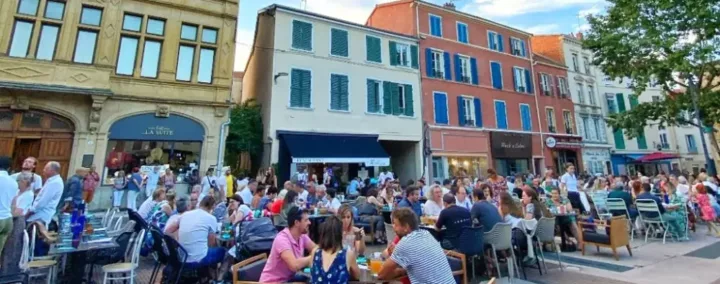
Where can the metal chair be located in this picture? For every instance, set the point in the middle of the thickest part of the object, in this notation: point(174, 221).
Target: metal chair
point(160, 251)
point(617, 204)
point(28, 262)
point(545, 233)
point(649, 214)
point(600, 201)
point(471, 243)
point(177, 255)
point(500, 239)
point(126, 267)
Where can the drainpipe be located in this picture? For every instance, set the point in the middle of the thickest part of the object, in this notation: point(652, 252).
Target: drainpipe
point(427, 160)
point(537, 107)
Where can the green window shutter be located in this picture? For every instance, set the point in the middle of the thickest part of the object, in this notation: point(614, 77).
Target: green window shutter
point(642, 142)
point(633, 101)
point(344, 100)
point(372, 97)
point(295, 89)
point(414, 55)
point(395, 97)
point(335, 91)
point(619, 139)
point(409, 108)
point(393, 54)
point(302, 35)
point(339, 42)
point(620, 102)
point(373, 50)
point(305, 86)
point(387, 98)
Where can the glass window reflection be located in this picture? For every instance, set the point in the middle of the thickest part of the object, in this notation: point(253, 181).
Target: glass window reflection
point(205, 71)
point(21, 39)
point(126, 56)
point(85, 46)
point(188, 32)
point(156, 27)
point(91, 16)
point(132, 23)
point(28, 7)
point(151, 59)
point(47, 43)
point(54, 10)
point(185, 63)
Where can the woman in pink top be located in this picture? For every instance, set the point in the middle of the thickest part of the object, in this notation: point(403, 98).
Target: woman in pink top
point(287, 255)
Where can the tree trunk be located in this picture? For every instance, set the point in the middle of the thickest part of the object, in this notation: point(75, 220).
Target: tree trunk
point(715, 146)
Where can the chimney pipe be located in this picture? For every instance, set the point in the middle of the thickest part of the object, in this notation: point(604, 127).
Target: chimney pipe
point(449, 5)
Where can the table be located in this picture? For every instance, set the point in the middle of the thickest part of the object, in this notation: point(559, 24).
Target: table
point(366, 276)
point(433, 231)
point(98, 240)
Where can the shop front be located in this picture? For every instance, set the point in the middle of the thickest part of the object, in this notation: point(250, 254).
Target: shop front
point(596, 161)
point(512, 152)
point(563, 149)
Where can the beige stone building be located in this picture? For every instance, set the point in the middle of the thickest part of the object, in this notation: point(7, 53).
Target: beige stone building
point(115, 83)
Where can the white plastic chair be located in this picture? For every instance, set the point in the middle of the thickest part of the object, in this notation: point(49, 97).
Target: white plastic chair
point(545, 233)
point(617, 204)
point(29, 264)
point(500, 239)
point(125, 268)
point(648, 206)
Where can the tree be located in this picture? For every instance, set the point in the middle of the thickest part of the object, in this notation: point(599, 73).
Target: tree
point(244, 143)
point(674, 44)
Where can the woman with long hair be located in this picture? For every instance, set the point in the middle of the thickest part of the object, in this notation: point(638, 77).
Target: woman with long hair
point(270, 177)
point(353, 237)
point(331, 262)
point(676, 207)
point(489, 195)
point(534, 209)
point(509, 210)
point(706, 209)
point(497, 184)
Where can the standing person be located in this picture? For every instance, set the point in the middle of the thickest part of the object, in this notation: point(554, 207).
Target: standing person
point(708, 213)
point(73, 191)
point(153, 178)
point(25, 196)
point(133, 186)
point(497, 184)
point(193, 178)
point(208, 183)
point(331, 261)
point(230, 183)
point(168, 180)
point(270, 178)
point(8, 191)
point(417, 253)
point(287, 253)
point(569, 184)
point(28, 166)
point(120, 182)
point(46, 202)
point(90, 183)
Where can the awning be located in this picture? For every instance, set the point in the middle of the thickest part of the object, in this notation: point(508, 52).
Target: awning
point(657, 156)
point(335, 148)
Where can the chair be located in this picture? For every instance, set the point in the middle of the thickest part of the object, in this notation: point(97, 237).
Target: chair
point(545, 233)
point(617, 204)
point(249, 270)
point(471, 244)
point(125, 267)
point(15, 278)
point(176, 262)
point(650, 216)
point(500, 239)
point(159, 251)
point(616, 237)
point(140, 223)
point(129, 227)
point(107, 217)
point(458, 267)
point(600, 201)
point(29, 262)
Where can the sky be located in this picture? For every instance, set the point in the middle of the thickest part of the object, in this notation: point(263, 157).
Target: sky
point(534, 16)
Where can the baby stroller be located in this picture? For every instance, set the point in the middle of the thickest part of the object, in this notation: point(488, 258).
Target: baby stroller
point(254, 237)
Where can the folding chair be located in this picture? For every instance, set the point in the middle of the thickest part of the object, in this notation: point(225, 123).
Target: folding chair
point(649, 214)
point(617, 204)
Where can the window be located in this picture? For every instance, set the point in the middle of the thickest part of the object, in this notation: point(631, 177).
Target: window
point(655, 98)
point(575, 63)
point(88, 31)
point(438, 64)
point(374, 102)
point(205, 48)
point(520, 80)
point(525, 117)
point(517, 47)
point(339, 92)
point(546, 84)
point(300, 88)
point(24, 40)
point(563, 86)
point(467, 109)
point(586, 63)
point(124, 155)
point(664, 141)
point(580, 93)
point(591, 94)
point(610, 99)
point(465, 69)
point(599, 129)
point(440, 108)
point(401, 96)
point(150, 38)
point(339, 42)
point(550, 116)
point(302, 35)
point(568, 122)
point(495, 41)
point(436, 25)
point(462, 32)
point(372, 49)
point(398, 99)
point(500, 115)
point(690, 141)
point(585, 128)
point(496, 74)
point(402, 56)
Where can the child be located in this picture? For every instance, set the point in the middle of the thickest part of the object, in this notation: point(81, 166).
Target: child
point(706, 209)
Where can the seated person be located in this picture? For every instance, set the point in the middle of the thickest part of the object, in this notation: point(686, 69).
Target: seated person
point(554, 203)
point(417, 253)
point(618, 191)
point(483, 211)
point(331, 261)
point(287, 253)
point(412, 201)
point(267, 200)
point(353, 237)
point(333, 203)
point(672, 220)
point(454, 218)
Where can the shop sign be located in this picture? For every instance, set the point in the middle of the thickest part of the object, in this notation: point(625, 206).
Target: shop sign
point(158, 131)
point(511, 145)
point(550, 142)
point(369, 162)
point(149, 127)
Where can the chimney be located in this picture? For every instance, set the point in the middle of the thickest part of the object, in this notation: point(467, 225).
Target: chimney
point(450, 5)
point(579, 35)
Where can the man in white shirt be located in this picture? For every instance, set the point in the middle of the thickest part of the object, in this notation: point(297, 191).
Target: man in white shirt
point(8, 191)
point(45, 205)
point(28, 166)
point(196, 233)
point(153, 178)
point(208, 182)
point(221, 188)
point(247, 193)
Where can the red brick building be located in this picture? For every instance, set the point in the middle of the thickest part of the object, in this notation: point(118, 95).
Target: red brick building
point(478, 88)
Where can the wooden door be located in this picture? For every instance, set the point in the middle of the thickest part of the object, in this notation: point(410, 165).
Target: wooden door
point(56, 149)
point(6, 146)
point(24, 148)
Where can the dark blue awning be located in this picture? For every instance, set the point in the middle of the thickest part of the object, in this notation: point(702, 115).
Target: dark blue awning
point(335, 148)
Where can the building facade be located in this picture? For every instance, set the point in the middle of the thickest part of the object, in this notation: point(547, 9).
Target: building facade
point(115, 84)
point(478, 89)
point(582, 85)
point(335, 95)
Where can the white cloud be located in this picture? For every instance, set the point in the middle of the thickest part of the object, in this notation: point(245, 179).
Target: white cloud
point(591, 11)
point(543, 29)
point(582, 28)
point(509, 8)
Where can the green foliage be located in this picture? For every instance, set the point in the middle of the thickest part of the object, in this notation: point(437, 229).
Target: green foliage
point(245, 135)
point(661, 42)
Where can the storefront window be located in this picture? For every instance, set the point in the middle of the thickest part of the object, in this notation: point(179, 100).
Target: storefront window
point(180, 157)
point(470, 167)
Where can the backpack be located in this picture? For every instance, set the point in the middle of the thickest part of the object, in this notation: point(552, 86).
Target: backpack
point(255, 237)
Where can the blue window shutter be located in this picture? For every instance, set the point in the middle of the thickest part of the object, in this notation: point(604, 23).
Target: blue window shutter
point(429, 63)
point(496, 75)
point(448, 72)
point(522, 48)
point(500, 43)
point(529, 82)
point(478, 112)
point(514, 72)
point(334, 92)
point(338, 42)
point(500, 115)
point(461, 111)
point(474, 71)
point(491, 40)
point(458, 68)
point(525, 116)
point(441, 113)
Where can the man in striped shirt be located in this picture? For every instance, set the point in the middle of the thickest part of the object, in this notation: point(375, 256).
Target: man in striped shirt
point(418, 253)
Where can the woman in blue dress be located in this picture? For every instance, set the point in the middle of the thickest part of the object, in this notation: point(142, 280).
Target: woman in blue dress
point(331, 262)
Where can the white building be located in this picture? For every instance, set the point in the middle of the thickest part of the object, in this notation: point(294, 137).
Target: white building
point(589, 114)
point(335, 93)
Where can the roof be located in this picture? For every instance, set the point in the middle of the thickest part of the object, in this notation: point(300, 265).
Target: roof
point(542, 59)
point(336, 20)
point(55, 88)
